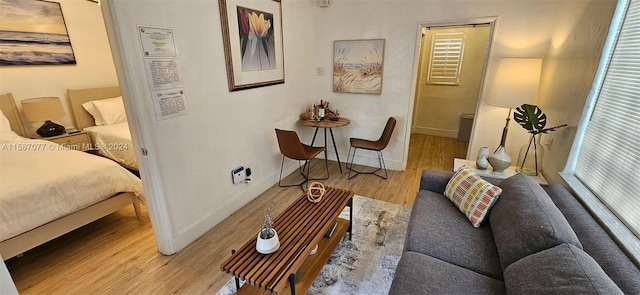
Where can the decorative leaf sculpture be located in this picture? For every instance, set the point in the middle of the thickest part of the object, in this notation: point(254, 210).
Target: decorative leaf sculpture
point(550, 129)
point(530, 117)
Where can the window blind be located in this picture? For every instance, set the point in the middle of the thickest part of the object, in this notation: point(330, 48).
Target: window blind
point(446, 58)
point(608, 161)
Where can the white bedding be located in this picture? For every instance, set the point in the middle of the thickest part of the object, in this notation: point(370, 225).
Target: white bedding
point(114, 142)
point(40, 182)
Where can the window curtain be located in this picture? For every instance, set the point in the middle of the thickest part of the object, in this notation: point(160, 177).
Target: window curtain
point(608, 161)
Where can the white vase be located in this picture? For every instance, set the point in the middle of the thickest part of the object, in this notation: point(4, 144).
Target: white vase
point(270, 245)
point(500, 160)
point(482, 162)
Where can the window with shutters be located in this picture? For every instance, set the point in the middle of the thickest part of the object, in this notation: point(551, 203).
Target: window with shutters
point(605, 158)
point(446, 58)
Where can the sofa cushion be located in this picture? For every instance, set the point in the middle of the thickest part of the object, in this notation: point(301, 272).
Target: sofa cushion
point(473, 195)
point(563, 269)
point(437, 180)
point(596, 242)
point(417, 273)
point(437, 228)
point(526, 221)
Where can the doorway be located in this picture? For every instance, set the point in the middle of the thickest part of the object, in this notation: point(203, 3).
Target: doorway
point(450, 64)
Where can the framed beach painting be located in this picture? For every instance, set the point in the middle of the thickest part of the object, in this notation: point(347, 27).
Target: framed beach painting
point(252, 37)
point(357, 66)
point(33, 32)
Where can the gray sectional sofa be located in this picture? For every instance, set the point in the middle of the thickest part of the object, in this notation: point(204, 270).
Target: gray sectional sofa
point(536, 241)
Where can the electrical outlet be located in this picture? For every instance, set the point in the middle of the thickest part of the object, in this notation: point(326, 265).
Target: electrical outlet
point(238, 175)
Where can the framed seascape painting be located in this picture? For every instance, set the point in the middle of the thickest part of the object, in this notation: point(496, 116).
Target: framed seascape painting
point(357, 66)
point(252, 37)
point(33, 32)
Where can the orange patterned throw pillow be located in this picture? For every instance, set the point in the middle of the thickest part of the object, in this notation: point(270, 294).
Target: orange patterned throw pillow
point(473, 195)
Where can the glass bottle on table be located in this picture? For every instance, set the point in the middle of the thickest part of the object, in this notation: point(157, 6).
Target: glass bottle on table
point(321, 111)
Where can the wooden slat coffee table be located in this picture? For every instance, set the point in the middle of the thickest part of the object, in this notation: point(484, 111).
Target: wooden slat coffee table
point(300, 227)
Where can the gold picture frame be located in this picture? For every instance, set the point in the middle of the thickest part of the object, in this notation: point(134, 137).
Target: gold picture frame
point(252, 37)
point(34, 33)
point(358, 66)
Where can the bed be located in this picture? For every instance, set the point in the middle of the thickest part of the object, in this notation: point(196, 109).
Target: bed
point(106, 123)
point(47, 190)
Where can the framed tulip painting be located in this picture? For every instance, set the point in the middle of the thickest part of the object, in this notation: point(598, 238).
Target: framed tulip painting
point(252, 37)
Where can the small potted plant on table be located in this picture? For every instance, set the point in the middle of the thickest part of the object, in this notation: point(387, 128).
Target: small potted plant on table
point(268, 241)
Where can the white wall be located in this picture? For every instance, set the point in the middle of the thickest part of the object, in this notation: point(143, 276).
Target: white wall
point(94, 66)
point(6, 283)
point(524, 29)
point(194, 154)
point(567, 71)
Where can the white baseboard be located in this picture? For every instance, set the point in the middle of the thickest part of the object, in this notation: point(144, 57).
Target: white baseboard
point(370, 159)
point(193, 232)
point(435, 132)
point(196, 230)
point(365, 158)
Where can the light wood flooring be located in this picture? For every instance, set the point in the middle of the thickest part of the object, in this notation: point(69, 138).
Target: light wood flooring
point(117, 254)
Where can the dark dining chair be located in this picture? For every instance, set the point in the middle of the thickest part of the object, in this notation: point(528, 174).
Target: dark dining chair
point(378, 146)
point(291, 147)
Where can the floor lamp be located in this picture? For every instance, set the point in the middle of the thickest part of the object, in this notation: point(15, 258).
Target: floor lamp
point(515, 83)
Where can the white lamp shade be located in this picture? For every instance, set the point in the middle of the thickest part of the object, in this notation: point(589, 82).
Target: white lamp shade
point(42, 108)
point(515, 83)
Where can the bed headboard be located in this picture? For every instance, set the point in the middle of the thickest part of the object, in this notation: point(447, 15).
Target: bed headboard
point(9, 109)
point(79, 96)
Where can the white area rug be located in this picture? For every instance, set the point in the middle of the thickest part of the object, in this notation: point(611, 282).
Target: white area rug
point(366, 264)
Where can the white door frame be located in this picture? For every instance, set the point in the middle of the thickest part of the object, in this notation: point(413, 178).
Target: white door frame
point(131, 80)
point(492, 20)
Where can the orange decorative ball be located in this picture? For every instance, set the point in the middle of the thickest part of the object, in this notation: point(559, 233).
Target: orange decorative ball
point(315, 192)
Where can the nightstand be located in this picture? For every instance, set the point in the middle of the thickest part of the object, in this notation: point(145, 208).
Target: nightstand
point(79, 141)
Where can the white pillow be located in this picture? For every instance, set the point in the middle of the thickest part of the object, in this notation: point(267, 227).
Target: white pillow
point(106, 111)
point(91, 109)
point(6, 134)
point(473, 195)
point(111, 110)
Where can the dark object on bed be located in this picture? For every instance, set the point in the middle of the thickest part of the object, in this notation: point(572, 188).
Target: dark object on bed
point(49, 129)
